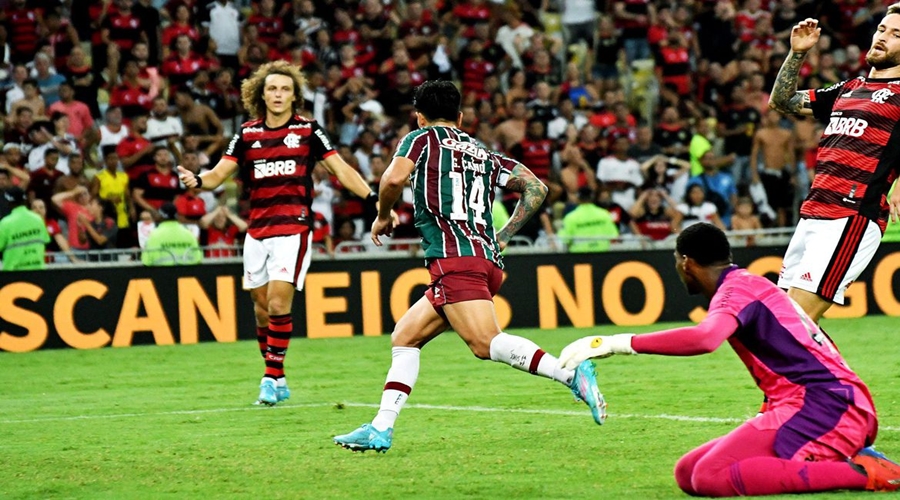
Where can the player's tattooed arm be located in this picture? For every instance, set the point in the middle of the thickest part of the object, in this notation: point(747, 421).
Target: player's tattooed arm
point(533, 192)
point(785, 97)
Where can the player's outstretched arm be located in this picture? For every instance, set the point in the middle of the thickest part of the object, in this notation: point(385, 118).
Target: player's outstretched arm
point(533, 192)
point(208, 180)
point(389, 191)
point(347, 175)
point(785, 97)
point(703, 338)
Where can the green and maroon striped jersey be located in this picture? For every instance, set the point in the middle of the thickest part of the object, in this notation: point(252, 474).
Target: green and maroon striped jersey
point(454, 182)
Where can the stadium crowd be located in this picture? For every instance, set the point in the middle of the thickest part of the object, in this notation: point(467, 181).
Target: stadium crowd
point(645, 114)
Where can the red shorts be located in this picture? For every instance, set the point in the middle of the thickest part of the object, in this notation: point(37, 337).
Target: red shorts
point(458, 279)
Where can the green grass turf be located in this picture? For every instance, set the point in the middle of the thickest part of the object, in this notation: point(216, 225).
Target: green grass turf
point(176, 422)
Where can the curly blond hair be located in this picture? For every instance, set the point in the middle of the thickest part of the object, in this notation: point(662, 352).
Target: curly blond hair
point(252, 88)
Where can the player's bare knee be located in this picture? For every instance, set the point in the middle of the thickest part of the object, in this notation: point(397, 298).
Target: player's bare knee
point(480, 346)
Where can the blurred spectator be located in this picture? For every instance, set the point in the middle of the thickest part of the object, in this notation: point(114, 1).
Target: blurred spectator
point(620, 173)
point(607, 53)
point(588, 228)
point(323, 194)
point(18, 131)
point(634, 18)
point(321, 234)
point(744, 219)
point(222, 228)
point(44, 179)
point(158, 185)
point(14, 91)
point(672, 135)
point(62, 140)
point(346, 232)
point(536, 152)
point(72, 204)
point(111, 184)
point(224, 27)
point(5, 185)
point(48, 80)
point(113, 131)
point(191, 208)
point(772, 162)
point(696, 209)
point(135, 151)
point(511, 131)
point(31, 99)
point(619, 214)
point(667, 173)
point(738, 124)
point(653, 214)
point(719, 187)
point(145, 226)
point(23, 24)
point(162, 128)
point(644, 147)
point(170, 243)
point(566, 117)
point(200, 120)
point(99, 225)
point(23, 235)
point(81, 123)
point(58, 242)
point(76, 175)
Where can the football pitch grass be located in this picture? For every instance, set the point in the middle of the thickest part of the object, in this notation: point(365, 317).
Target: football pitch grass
point(177, 421)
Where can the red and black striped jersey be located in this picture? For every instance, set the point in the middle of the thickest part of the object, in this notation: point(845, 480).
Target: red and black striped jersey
point(859, 153)
point(276, 167)
point(22, 28)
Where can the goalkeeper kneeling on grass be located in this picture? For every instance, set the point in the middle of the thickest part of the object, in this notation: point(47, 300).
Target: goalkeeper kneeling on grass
point(820, 424)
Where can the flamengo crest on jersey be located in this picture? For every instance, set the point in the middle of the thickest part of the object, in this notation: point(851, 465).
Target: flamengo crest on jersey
point(276, 169)
point(859, 154)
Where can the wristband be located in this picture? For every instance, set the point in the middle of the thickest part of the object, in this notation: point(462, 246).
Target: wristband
point(372, 197)
point(199, 181)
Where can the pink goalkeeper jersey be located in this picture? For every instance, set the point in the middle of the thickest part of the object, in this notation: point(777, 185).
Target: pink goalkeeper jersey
point(790, 358)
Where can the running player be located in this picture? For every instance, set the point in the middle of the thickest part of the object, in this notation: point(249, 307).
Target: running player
point(454, 180)
point(275, 153)
point(845, 213)
point(820, 412)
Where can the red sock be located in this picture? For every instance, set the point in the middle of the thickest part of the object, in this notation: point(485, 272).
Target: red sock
point(262, 339)
point(771, 476)
point(280, 328)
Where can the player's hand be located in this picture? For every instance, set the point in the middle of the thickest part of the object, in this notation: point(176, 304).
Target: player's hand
point(895, 205)
point(382, 227)
point(596, 346)
point(186, 177)
point(805, 35)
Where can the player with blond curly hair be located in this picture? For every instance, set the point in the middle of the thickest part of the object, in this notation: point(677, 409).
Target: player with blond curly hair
point(275, 153)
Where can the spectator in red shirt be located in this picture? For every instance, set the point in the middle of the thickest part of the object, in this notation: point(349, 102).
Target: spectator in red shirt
point(268, 22)
point(62, 37)
point(322, 234)
point(23, 24)
point(222, 229)
point(71, 204)
point(123, 28)
point(180, 66)
point(135, 151)
point(191, 208)
point(131, 95)
point(58, 241)
point(158, 185)
point(181, 25)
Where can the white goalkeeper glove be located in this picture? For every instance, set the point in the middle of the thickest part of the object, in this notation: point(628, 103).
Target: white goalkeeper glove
point(595, 346)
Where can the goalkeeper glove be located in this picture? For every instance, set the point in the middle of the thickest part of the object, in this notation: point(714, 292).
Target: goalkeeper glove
point(595, 347)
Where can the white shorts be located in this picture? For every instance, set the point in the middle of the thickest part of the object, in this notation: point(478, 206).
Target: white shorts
point(281, 258)
point(825, 256)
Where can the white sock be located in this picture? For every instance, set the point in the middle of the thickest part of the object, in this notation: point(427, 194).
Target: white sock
point(280, 382)
point(523, 354)
point(399, 383)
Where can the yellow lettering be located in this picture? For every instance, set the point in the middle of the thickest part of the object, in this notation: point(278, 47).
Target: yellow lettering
point(403, 287)
point(318, 305)
point(370, 286)
point(64, 315)
point(33, 323)
point(221, 319)
point(655, 294)
point(883, 284)
point(142, 291)
point(765, 265)
point(552, 287)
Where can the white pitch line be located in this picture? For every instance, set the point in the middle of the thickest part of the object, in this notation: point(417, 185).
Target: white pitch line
point(474, 409)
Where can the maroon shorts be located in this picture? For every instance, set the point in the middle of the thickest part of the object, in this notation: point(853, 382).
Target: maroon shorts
point(458, 279)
